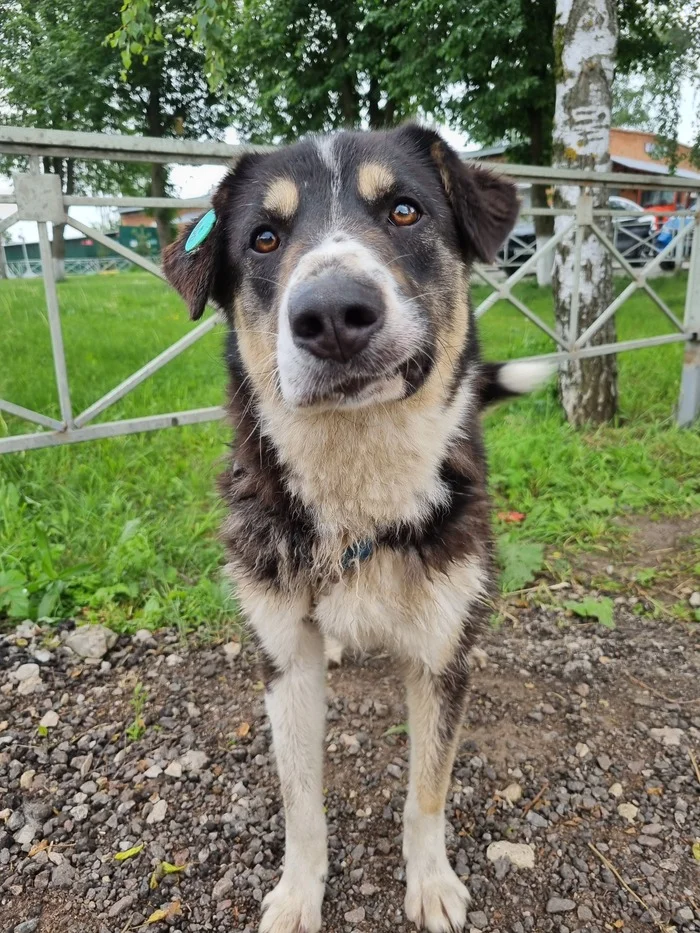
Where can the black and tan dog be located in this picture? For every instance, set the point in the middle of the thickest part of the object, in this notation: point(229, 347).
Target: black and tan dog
point(357, 503)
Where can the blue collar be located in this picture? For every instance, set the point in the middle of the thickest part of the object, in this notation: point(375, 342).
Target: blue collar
point(357, 553)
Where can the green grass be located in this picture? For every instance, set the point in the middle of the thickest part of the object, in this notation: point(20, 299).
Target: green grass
point(125, 530)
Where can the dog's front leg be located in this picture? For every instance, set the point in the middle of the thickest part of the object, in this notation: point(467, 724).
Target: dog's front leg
point(295, 700)
point(436, 900)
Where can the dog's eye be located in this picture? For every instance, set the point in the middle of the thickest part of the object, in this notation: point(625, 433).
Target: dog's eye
point(265, 241)
point(404, 214)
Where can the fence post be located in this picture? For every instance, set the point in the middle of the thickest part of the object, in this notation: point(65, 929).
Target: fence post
point(59, 356)
point(689, 400)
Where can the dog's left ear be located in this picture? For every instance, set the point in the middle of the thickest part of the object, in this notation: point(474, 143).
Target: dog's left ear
point(485, 206)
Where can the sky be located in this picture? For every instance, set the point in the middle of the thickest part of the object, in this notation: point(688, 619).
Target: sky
point(195, 181)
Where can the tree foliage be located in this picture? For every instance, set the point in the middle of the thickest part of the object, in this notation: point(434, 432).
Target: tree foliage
point(488, 68)
point(58, 72)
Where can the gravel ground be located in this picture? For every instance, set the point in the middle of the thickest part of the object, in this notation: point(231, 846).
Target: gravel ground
point(578, 747)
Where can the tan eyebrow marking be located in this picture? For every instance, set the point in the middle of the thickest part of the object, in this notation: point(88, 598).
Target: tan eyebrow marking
point(282, 198)
point(374, 180)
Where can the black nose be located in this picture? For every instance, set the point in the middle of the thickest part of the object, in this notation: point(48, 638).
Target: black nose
point(334, 316)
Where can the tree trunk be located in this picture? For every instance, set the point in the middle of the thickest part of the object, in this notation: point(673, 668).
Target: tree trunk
point(585, 43)
point(159, 172)
point(159, 176)
point(3, 259)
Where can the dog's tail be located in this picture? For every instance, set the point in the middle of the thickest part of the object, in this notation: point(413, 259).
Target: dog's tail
point(500, 381)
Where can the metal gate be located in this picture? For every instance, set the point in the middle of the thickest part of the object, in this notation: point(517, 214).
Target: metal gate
point(38, 197)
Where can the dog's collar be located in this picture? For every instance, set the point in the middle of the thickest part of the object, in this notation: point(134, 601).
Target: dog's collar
point(357, 553)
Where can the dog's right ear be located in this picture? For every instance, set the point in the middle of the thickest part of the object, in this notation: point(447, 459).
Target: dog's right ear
point(193, 273)
point(202, 272)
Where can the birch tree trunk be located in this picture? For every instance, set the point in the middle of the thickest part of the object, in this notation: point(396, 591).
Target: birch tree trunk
point(585, 44)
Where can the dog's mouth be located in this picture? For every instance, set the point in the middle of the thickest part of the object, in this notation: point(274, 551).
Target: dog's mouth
point(399, 381)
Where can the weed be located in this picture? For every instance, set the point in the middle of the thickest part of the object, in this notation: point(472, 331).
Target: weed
point(137, 728)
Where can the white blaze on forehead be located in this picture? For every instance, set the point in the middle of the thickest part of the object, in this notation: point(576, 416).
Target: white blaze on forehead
point(327, 150)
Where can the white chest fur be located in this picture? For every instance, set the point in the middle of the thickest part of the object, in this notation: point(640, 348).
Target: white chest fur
point(360, 469)
point(389, 603)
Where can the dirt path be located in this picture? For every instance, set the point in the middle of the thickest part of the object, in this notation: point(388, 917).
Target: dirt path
point(590, 729)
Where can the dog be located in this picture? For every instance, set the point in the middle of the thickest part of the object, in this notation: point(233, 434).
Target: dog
point(357, 507)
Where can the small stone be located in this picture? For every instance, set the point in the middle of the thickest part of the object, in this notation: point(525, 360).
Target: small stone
point(222, 888)
point(122, 904)
point(174, 769)
point(231, 650)
point(49, 720)
point(695, 600)
point(368, 890)
point(153, 772)
point(31, 685)
point(350, 742)
point(42, 655)
point(584, 913)
point(582, 749)
point(157, 814)
point(142, 636)
point(603, 762)
point(27, 834)
point(512, 793)
point(615, 790)
point(667, 735)
point(27, 779)
point(62, 875)
point(26, 671)
point(560, 905)
point(81, 812)
point(628, 811)
point(582, 689)
point(90, 641)
point(478, 919)
point(519, 854)
point(685, 914)
point(193, 761)
point(355, 916)
point(173, 660)
point(27, 926)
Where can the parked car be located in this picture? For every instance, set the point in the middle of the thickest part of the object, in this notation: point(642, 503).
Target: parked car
point(633, 237)
point(670, 229)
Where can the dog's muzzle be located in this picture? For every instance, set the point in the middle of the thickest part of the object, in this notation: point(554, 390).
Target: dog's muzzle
point(334, 316)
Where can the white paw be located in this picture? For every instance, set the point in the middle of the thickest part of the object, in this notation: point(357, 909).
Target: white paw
point(436, 901)
point(293, 907)
point(333, 650)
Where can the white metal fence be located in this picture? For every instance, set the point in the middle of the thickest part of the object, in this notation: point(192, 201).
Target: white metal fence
point(38, 198)
point(32, 268)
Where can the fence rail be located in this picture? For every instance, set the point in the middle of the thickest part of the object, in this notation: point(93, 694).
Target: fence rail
point(38, 198)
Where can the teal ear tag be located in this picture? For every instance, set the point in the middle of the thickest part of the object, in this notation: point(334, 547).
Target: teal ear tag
point(204, 227)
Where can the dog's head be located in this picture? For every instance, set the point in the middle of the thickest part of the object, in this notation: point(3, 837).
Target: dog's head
point(342, 263)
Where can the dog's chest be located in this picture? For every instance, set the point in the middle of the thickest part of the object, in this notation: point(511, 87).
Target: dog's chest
point(388, 602)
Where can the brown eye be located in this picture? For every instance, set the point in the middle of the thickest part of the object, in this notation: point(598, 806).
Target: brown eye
point(265, 241)
point(404, 214)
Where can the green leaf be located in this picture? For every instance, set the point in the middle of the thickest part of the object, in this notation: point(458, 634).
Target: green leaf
point(129, 853)
point(589, 608)
point(401, 729)
point(520, 563)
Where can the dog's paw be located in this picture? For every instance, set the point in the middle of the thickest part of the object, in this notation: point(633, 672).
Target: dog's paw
point(437, 902)
point(293, 908)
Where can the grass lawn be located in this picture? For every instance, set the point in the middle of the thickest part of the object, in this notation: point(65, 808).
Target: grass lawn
point(124, 530)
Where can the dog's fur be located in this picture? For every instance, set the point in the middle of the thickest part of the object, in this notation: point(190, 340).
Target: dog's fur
point(383, 451)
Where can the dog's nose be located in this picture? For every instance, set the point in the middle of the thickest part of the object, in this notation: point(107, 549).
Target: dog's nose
point(334, 317)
